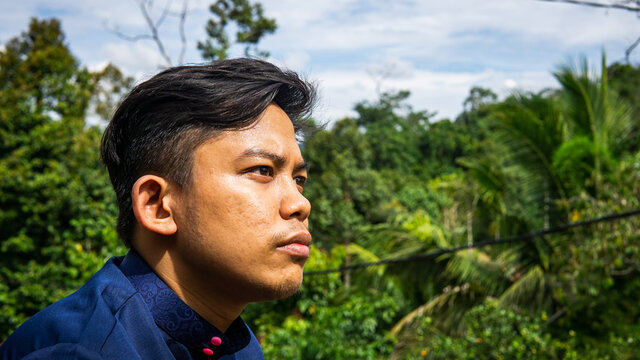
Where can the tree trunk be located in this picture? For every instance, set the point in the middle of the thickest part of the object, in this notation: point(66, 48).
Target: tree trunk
point(546, 209)
point(469, 227)
point(347, 273)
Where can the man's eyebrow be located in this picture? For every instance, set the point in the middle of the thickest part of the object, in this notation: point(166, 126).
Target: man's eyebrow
point(301, 166)
point(277, 160)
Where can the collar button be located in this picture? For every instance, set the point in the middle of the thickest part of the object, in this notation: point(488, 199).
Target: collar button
point(216, 341)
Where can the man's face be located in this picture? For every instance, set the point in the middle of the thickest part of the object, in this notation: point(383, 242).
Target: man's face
point(242, 222)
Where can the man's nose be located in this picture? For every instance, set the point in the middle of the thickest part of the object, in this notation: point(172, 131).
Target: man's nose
point(293, 204)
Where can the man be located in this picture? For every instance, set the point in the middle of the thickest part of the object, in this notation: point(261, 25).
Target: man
point(208, 177)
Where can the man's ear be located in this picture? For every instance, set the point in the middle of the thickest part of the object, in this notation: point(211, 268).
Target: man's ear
point(152, 203)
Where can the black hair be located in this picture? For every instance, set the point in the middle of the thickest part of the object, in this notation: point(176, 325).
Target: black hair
point(163, 120)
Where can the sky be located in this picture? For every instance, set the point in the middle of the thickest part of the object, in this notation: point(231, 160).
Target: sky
point(351, 49)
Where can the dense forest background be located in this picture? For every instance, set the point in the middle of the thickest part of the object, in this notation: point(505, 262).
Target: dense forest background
point(390, 182)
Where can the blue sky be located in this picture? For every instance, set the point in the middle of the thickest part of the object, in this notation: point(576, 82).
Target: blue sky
point(438, 50)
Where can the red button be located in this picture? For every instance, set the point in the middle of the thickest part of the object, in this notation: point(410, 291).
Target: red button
point(207, 351)
point(216, 341)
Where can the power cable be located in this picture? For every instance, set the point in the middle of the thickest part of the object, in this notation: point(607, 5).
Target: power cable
point(512, 239)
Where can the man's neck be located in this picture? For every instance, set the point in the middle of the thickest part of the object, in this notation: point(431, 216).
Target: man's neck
point(212, 305)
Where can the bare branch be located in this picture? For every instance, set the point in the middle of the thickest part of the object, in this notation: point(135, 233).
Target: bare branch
point(146, 8)
point(628, 51)
point(153, 28)
point(624, 272)
point(164, 14)
point(557, 315)
point(629, 5)
point(381, 73)
point(183, 38)
point(124, 36)
point(622, 5)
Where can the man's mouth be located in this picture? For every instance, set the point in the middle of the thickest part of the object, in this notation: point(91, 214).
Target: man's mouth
point(297, 245)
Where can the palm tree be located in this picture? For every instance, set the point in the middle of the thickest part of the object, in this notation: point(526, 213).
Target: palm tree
point(594, 112)
point(521, 178)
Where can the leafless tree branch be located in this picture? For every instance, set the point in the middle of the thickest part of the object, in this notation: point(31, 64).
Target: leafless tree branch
point(152, 27)
point(164, 14)
point(556, 316)
point(183, 37)
point(628, 5)
point(146, 7)
point(624, 272)
point(124, 36)
point(381, 73)
point(633, 6)
point(628, 51)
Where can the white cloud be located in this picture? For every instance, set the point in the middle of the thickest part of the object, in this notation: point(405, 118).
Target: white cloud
point(510, 84)
point(437, 50)
point(97, 66)
point(339, 91)
point(297, 60)
point(444, 30)
point(136, 58)
point(443, 92)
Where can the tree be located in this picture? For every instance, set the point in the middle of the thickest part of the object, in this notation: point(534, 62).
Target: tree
point(441, 145)
point(624, 79)
point(595, 114)
point(109, 86)
point(251, 23)
point(525, 130)
point(476, 106)
point(57, 208)
point(248, 18)
point(394, 137)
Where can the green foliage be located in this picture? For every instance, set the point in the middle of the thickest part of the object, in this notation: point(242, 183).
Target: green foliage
point(110, 85)
point(327, 322)
point(574, 161)
point(625, 80)
point(248, 18)
point(350, 330)
point(490, 333)
point(416, 197)
point(598, 272)
point(544, 164)
point(527, 129)
point(595, 112)
point(56, 206)
point(476, 106)
point(441, 145)
point(394, 139)
point(346, 192)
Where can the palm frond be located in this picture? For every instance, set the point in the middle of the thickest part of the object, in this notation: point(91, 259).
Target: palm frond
point(527, 291)
point(530, 129)
point(477, 267)
point(442, 307)
point(581, 96)
point(361, 255)
point(594, 111)
point(491, 181)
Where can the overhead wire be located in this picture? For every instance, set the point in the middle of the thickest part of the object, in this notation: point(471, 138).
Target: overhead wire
point(511, 239)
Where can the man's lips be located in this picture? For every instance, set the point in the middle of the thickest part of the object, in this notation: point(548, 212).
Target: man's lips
point(297, 245)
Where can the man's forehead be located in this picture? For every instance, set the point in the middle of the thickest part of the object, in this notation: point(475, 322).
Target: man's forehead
point(271, 136)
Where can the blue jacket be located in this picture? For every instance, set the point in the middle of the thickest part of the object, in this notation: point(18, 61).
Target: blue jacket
point(126, 312)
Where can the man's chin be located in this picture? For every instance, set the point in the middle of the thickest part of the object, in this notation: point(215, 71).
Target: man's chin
point(280, 291)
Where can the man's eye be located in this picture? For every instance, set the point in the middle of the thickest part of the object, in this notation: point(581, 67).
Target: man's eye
point(263, 170)
point(300, 180)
